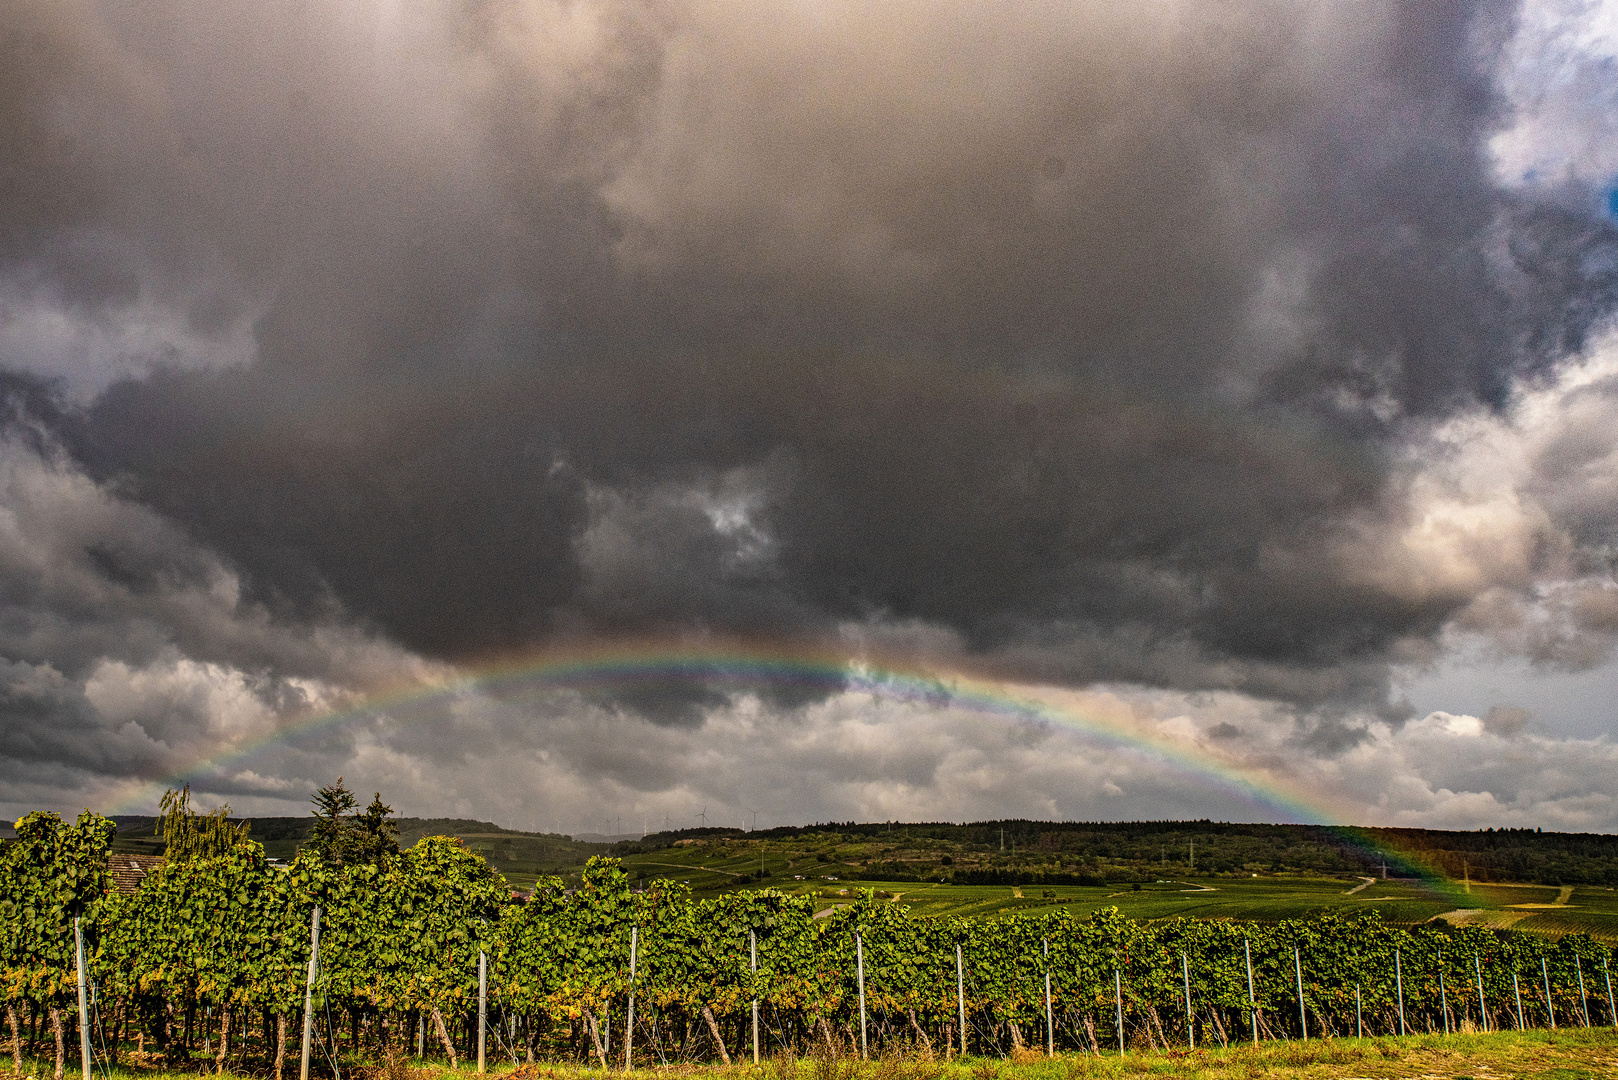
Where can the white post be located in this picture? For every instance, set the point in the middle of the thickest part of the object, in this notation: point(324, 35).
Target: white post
point(421, 1035)
point(1359, 1022)
point(1612, 1012)
point(1050, 1031)
point(960, 994)
point(1550, 1010)
point(84, 1007)
point(309, 994)
point(1303, 1020)
point(1118, 998)
point(483, 1005)
point(1252, 1002)
point(629, 1021)
point(1185, 973)
point(1483, 1010)
point(752, 953)
point(1399, 986)
point(1517, 992)
point(1584, 1001)
point(1443, 994)
point(859, 968)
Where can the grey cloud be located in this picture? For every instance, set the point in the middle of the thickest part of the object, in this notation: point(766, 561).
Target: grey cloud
point(622, 320)
point(566, 764)
point(129, 652)
point(1506, 720)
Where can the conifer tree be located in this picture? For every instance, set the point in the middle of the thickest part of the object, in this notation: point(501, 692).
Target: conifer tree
point(342, 837)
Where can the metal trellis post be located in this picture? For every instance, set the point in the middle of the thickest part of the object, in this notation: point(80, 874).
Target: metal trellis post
point(483, 1005)
point(960, 994)
point(1399, 987)
point(1550, 1009)
point(84, 1009)
point(859, 965)
point(309, 994)
point(629, 1020)
point(1612, 1012)
point(1050, 1031)
point(1118, 998)
point(1584, 1002)
point(752, 953)
point(1190, 1030)
point(1483, 1010)
point(1252, 1001)
point(1303, 1019)
point(1443, 994)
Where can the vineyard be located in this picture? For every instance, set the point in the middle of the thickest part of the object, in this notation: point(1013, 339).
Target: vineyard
point(212, 953)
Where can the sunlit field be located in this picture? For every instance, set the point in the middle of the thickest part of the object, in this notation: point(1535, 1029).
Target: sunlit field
point(1568, 1054)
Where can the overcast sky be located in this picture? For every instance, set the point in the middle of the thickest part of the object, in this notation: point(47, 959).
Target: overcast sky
point(1241, 377)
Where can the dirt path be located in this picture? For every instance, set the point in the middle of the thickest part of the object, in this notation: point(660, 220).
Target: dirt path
point(1365, 883)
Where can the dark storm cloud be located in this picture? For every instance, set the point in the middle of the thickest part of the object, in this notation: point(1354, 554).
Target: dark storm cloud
point(1090, 334)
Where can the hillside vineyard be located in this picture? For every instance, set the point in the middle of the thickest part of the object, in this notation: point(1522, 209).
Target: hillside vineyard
point(216, 951)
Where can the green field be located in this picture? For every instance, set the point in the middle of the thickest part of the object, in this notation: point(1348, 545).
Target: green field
point(1263, 899)
point(1263, 873)
point(730, 864)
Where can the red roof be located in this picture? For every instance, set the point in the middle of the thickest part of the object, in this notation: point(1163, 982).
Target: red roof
point(128, 871)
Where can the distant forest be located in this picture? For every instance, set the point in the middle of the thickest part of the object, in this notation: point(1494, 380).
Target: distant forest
point(1019, 852)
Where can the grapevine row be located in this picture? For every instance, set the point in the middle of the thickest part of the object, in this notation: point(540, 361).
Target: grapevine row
point(212, 940)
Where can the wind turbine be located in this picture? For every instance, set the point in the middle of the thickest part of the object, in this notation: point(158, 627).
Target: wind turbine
point(704, 816)
point(750, 810)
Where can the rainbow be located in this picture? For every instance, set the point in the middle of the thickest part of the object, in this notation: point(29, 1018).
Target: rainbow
point(743, 666)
